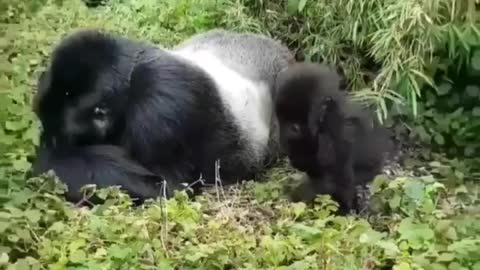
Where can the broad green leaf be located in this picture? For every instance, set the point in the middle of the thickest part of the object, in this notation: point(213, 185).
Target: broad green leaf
point(446, 257)
point(57, 227)
point(21, 164)
point(439, 139)
point(472, 90)
point(437, 266)
point(402, 266)
point(78, 256)
point(389, 248)
point(4, 226)
point(469, 151)
point(476, 112)
point(292, 6)
point(119, 252)
point(371, 236)
point(301, 5)
point(22, 264)
point(415, 190)
point(33, 215)
point(451, 234)
point(476, 60)
point(444, 89)
point(4, 258)
point(395, 201)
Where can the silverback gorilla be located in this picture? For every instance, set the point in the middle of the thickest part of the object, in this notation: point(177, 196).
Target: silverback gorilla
point(120, 112)
point(331, 139)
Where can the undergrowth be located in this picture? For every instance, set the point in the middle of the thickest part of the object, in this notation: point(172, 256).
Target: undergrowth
point(425, 220)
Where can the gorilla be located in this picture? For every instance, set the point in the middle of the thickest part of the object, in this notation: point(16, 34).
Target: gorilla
point(333, 140)
point(116, 111)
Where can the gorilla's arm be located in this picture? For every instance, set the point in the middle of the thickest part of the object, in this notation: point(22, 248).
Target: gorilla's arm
point(103, 165)
point(165, 121)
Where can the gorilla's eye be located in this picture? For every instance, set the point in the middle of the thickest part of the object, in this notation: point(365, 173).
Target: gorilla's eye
point(295, 129)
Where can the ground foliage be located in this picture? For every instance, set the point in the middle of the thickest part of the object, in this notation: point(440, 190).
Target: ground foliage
point(428, 219)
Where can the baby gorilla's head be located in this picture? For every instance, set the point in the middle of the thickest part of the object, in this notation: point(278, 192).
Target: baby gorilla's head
point(307, 94)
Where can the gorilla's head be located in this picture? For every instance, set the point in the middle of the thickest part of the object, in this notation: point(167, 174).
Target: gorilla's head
point(81, 96)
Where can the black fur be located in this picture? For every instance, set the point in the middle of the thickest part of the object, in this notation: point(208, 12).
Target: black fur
point(163, 112)
point(329, 138)
point(104, 165)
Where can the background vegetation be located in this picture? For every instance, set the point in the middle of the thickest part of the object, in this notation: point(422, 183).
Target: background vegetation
point(416, 62)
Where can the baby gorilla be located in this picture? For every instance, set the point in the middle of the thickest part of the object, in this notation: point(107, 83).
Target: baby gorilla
point(329, 138)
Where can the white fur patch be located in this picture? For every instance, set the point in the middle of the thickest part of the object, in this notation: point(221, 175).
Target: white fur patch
point(249, 101)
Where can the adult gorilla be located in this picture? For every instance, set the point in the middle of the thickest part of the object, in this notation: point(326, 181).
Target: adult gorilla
point(120, 112)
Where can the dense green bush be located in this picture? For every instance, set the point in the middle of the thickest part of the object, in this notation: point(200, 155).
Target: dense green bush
point(428, 222)
point(400, 42)
point(393, 51)
point(426, 228)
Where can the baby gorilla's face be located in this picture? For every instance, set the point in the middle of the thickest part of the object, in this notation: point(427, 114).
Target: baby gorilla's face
point(296, 137)
point(299, 144)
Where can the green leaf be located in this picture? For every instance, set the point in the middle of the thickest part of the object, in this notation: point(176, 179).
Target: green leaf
point(13, 125)
point(118, 252)
point(292, 6)
point(194, 257)
point(439, 139)
point(389, 247)
point(476, 60)
point(21, 164)
point(371, 236)
point(301, 5)
point(4, 258)
point(451, 233)
point(414, 233)
point(472, 90)
point(446, 257)
point(33, 215)
point(402, 266)
point(299, 209)
point(78, 256)
point(476, 111)
point(394, 202)
point(469, 151)
point(57, 227)
point(435, 164)
point(415, 190)
point(164, 264)
point(437, 266)
point(22, 264)
point(444, 89)
point(305, 231)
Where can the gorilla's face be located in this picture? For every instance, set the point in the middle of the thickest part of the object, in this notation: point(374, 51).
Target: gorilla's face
point(81, 96)
point(301, 105)
point(295, 134)
point(76, 109)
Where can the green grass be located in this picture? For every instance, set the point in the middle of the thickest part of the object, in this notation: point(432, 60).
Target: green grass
point(427, 222)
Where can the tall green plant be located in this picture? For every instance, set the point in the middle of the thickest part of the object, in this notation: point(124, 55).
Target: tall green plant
point(386, 48)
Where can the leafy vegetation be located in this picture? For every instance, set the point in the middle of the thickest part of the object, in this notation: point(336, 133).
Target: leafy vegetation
point(423, 51)
point(405, 54)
